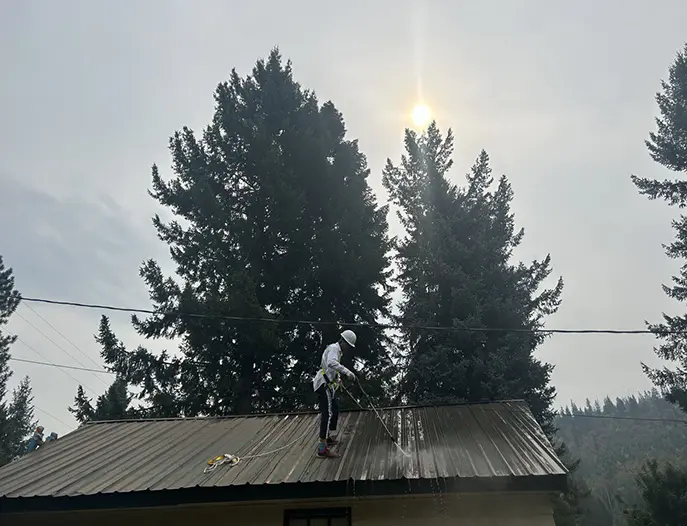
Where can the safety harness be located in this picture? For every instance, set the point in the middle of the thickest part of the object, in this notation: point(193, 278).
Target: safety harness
point(334, 385)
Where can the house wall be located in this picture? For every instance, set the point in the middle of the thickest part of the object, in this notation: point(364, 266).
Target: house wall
point(462, 510)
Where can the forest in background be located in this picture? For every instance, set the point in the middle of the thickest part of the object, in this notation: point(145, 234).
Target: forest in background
point(613, 440)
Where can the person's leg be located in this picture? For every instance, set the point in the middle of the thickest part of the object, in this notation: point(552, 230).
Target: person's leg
point(324, 415)
point(334, 420)
point(325, 401)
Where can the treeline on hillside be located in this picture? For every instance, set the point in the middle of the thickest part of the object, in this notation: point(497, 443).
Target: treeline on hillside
point(614, 440)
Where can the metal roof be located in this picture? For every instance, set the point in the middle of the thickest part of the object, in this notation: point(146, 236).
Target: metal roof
point(472, 441)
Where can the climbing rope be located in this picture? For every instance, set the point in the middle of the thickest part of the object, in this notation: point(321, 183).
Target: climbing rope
point(369, 401)
point(233, 460)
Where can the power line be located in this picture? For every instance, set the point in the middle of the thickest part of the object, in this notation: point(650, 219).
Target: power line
point(556, 413)
point(274, 392)
point(62, 366)
point(330, 323)
point(62, 335)
point(347, 324)
point(52, 416)
point(612, 417)
point(55, 344)
point(48, 361)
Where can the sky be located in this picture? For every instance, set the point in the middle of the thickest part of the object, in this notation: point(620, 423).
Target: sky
point(560, 95)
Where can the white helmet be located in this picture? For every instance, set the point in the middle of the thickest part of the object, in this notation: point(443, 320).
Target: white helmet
point(349, 337)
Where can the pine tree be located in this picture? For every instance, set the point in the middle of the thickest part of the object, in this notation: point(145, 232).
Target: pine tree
point(455, 270)
point(83, 409)
point(16, 415)
point(664, 493)
point(21, 418)
point(668, 147)
point(274, 219)
point(114, 404)
point(9, 301)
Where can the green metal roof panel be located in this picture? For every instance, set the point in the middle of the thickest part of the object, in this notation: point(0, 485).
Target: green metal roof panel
point(458, 441)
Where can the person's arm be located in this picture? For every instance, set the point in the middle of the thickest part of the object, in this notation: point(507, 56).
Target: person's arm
point(333, 362)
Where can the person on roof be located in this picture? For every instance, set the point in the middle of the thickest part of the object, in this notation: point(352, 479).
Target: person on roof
point(36, 440)
point(325, 384)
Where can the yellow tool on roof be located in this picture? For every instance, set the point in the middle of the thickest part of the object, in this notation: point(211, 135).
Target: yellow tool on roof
point(232, 460)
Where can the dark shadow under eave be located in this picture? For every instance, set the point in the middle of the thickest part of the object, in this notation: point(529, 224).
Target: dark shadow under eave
point(285, 491)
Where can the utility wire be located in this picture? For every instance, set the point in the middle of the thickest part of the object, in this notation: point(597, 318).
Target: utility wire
point(611, 417)
point(556, 413)
point(346, 324)
point(335, 323)
point(62, 335)
point(61, 366)
point(52, 416)
point(56, 344)
point(273, 392)
point(48, 361)
point(290, 394)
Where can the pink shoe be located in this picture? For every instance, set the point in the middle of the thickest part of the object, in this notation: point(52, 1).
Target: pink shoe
point(327, 453)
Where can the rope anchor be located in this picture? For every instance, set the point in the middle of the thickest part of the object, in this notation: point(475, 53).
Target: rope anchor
point(233, 460)
point(214, 463)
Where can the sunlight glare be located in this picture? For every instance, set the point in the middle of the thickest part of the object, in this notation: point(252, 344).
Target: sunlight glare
point(421, 115)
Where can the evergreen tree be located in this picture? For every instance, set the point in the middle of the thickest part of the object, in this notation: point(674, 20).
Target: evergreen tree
point(668, 147)
point(9, 301)
point(114, 404)
point(274, 219)
point(570, 507)
point(664, 493)
point(21, 418)
point(455, 271)
point(83, 409)
point(16, 415)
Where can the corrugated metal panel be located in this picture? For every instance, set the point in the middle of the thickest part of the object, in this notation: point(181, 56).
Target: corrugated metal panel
point(485, 440)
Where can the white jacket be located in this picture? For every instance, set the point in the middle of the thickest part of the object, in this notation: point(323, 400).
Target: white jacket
point(331, 366)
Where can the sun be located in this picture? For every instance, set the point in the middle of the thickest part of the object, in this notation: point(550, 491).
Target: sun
point(421, 115)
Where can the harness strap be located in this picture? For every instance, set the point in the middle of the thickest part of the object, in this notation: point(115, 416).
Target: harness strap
point(327, 381)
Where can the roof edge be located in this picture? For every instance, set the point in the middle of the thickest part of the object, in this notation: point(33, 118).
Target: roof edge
point(299, 413)
point(285, 491)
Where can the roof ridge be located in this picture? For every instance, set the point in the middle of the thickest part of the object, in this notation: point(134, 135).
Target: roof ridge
point(299, 413)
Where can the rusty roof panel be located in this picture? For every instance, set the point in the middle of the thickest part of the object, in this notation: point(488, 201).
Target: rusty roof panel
point(464, 441)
